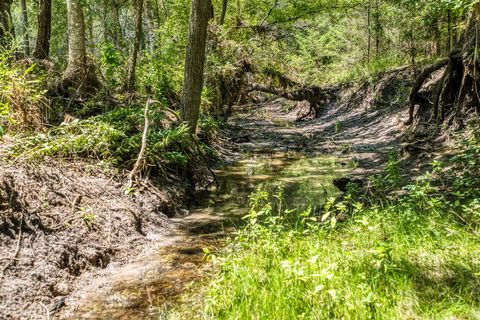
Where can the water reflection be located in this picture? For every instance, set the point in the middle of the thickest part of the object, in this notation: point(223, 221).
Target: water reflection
point(306, 182)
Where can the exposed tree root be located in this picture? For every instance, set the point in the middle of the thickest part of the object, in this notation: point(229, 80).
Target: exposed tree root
point(455, 92)
point(316, 96)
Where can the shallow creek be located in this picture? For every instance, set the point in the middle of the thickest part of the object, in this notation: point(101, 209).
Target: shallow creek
point(146, 288)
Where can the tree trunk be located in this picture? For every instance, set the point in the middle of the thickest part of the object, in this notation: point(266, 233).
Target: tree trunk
point(79, 75)
point(221, 21)
point(194, 63)
point(77, 50)
point(25, 35)
point(118, 25)
point(369, 30)
point(449, 31)
point(89, 27)
point(42, 46)
point(130, 84)
point(6, 26)
point(378, 28)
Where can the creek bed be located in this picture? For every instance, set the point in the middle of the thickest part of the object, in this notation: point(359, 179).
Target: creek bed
point(145, 288)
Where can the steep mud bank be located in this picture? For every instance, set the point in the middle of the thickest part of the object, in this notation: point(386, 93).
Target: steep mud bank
point(60, 220)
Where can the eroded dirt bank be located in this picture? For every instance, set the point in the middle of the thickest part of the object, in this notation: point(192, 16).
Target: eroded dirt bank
point(365, 123)
point(86, 244)
point(59, 220)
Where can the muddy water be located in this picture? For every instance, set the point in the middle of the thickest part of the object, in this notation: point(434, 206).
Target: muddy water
point(146, 288)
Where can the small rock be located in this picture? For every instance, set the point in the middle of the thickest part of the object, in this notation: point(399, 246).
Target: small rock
point(342, 183)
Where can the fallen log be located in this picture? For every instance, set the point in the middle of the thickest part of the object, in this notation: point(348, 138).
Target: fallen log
point(317, 97)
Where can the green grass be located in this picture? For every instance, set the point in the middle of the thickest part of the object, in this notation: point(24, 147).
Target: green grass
point(415, 257)
point(379, 265)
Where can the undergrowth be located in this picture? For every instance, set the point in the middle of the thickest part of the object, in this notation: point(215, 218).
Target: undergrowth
point(115, 136)
point(22, 101)
point(413, 255)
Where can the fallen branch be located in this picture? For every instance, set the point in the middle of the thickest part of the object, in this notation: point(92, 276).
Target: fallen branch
point(316, 96)
point(141, 159)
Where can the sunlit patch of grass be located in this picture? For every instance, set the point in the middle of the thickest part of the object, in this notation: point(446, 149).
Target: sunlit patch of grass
point(371, 267)
point(414, 257)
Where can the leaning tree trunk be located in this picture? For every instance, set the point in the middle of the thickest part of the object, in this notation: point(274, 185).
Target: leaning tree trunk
point(130, 84)
point(194, 64)
point(223, 13)
point(6, 26)
point(42, 46)
point(79, 75)
point(25, 35)
point(456, 92)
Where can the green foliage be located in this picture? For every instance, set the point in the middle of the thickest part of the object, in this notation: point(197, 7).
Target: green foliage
point(22, 101)
point(414, 256)
point(112, 63)
point(114, 136)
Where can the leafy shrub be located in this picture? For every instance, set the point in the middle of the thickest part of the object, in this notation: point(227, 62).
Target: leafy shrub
point(115, 136)
point(22, 100)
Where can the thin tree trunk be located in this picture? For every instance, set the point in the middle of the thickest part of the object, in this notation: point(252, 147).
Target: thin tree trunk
point(369, 30)
point(25, 35)
point(105, 21)
point(223, 13)
point(436, 34)
point(378, 28)
point(194, 63)
point(7, 32)
point(449, 30)
point(89, 26)
point(118, 25)
point(42, 46)
point(412, 52)
point(79, 75)
point(130, 84)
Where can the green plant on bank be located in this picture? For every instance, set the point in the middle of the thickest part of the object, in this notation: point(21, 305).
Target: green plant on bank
point(22, 101)
point(87, 216)
point(413, 257)
point(338, 127)
point(114, 137)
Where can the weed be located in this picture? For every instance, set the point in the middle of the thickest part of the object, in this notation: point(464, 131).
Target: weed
point(416, 257)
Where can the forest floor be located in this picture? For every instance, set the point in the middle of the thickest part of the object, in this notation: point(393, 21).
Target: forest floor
point(155, 258)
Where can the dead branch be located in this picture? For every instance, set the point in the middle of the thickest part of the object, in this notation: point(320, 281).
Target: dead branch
point(316, 96)
point(141, 159)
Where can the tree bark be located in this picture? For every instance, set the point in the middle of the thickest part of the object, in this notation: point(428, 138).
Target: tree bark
point(223, 13)
point(418, 85)
point(77, 50)
point(378, 28)
point(79, 75)
point(194, 63)
point(42, 45)
point(369, 30)
point(118, 25)
point(7, 32)
point(25, 35)
point(130, 84)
